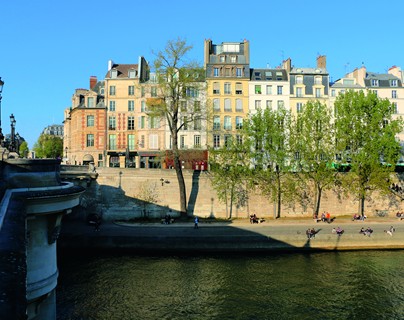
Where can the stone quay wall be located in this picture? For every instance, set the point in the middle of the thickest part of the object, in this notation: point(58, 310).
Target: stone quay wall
point(125, 194)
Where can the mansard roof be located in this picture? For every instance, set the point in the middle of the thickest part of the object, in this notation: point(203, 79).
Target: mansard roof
point(268, 75)
point(123, 70)
point(319, 71)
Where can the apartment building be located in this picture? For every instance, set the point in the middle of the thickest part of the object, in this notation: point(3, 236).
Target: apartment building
point(307, 84)
point(227, 68)
point(85, 133)
point(268, 89)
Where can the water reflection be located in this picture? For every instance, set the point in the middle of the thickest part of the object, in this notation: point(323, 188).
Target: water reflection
point(347, 285)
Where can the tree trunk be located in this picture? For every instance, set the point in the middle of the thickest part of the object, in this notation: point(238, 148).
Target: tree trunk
point(231, 201)
point(318, 200)
point(362, 205)
point(180, 176)
point(279, 193)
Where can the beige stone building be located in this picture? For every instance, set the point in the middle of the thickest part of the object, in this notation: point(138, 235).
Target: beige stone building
point(227, 68)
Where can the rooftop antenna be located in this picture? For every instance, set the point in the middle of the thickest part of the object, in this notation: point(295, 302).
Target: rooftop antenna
point(346, 65)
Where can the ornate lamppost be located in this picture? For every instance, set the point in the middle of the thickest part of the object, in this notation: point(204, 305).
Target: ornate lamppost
point(1, 133)
point(12, 123)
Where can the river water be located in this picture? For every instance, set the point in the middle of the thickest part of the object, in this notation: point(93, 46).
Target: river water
point(337, 285)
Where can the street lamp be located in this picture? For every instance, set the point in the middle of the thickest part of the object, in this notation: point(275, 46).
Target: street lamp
point(66, 152)
point(1, 133)
point(12, 123)
point(17, 142)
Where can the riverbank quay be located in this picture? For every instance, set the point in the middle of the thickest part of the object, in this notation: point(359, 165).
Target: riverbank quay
point(235, 236)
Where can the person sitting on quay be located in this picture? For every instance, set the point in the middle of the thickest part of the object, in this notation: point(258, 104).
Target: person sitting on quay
point(311, 233)
point(315, 217)
point(338, 231)
point(323, 217)
point(366, 232)
point(390, 231)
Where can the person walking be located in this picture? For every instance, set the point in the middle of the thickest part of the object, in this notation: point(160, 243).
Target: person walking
point(196, 222)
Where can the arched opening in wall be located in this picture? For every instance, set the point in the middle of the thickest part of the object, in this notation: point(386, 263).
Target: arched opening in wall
point(87, 159)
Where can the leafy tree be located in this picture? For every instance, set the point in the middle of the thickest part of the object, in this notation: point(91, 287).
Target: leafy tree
point(179, 82)
point(366, 139)
point(48, 146)
point(312, 142)
point(269, 150)
point(229, 168)
point(23, 150)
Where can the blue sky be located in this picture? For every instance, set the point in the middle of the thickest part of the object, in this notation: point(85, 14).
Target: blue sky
point(49, 48)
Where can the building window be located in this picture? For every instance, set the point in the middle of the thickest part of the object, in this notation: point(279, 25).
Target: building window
point(227, 88)
point(395, 109)
point(153, 91)
point(112, 142)
point(333, 93)
point(131, 123)
point(185, 123)
point(299, 80)
point(239, 139)
point(227, 72)
point(142, 92)
point(257, 104)
point(182, 142)
point(216, 72)
point(317, 80)
point(393, 83)
point(112, 90)
point(216, 88)
point(318, 92)
point(131, 90)
point(239, 88)
point(197, 123)
point(216, 123)
point(153, 122)
point(90, 121)
point(143, 106)
point(239, 122)
point(281, 104)
point(197, 106)
point(239, 105)
point(216, 141)
point(153, 141)
point(375, 83)
point(192, 92)
point(90, 102)
point(112, 106)
point(227, 140)
point(142, 141)
point(239, 72)
point(299, 92)
point(394, 94)
point(257, 89)
point(279, 90)
point(268, 89)
point(299, 107)
point(233, 59)
point(216, 104)
point(197, 141)
point(112, 123)
point(269, 104)
point(90, 140)
point(131, 141)
point(131, 105)
point(227, 105)
point(183, 106)
point(141, 122)
point(227, 123)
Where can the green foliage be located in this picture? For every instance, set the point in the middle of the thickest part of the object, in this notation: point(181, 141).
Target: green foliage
point(48, 146)
point(230, 171)
point(312, 141)
point(23, 150)
point(268, 135)
point(366, 139)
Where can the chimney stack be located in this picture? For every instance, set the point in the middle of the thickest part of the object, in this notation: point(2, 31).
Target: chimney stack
point(321, 62)
point(93, 82)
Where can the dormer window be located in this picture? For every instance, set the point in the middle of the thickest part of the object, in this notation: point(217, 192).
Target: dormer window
point(114, 74)
point(257, 75)
point(233, 59)
point(299, 79)
point(132, 73)
point(375, 83)
point(393, 83)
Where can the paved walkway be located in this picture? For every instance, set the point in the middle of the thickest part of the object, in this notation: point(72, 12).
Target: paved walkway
point(235, 235)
